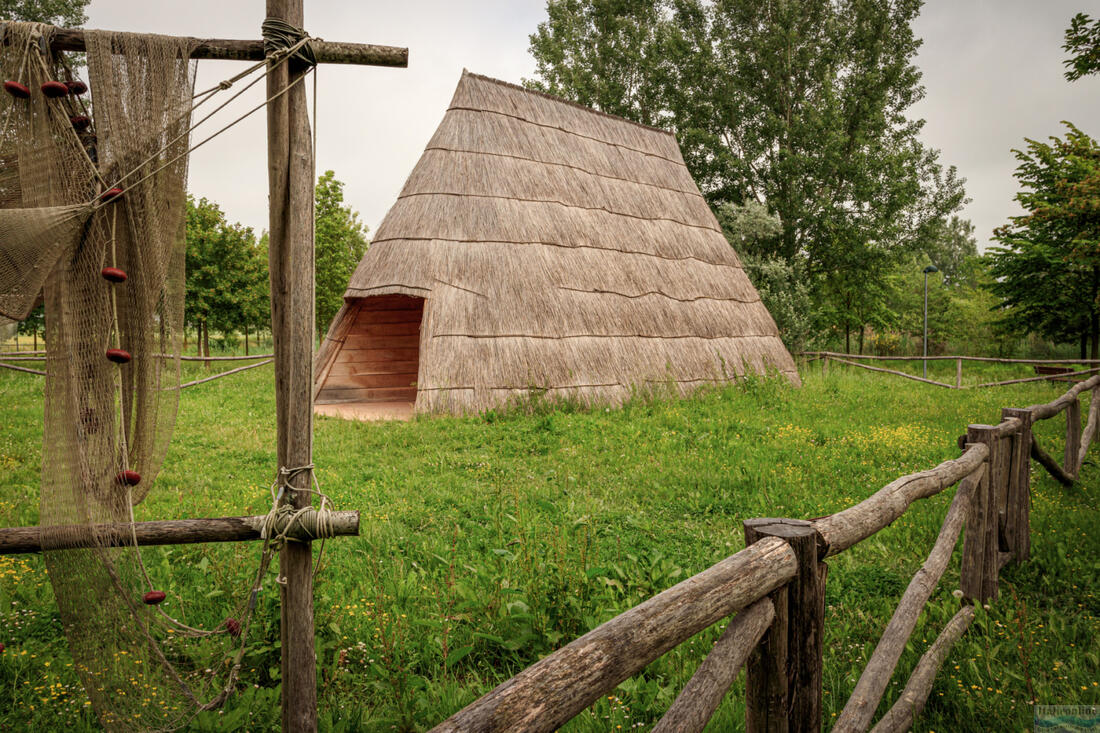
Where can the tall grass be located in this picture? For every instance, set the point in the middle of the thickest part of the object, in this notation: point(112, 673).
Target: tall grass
point(488, 541)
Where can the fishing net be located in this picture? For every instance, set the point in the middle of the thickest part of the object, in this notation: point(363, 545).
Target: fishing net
point(111, 270)
point(46, 176)
point(92, 215)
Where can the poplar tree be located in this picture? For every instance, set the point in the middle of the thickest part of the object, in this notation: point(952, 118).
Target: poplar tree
point(799, 105)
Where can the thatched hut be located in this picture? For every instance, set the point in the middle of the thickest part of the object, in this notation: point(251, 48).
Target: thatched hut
point(540, 245)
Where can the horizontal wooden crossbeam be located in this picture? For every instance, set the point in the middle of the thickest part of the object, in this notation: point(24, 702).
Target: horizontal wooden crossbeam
point(17, 540)
point(225, 49)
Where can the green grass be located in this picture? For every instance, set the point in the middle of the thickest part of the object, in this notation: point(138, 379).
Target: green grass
point(487, 542)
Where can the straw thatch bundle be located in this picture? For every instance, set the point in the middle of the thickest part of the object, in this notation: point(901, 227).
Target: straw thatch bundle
point(556, 248)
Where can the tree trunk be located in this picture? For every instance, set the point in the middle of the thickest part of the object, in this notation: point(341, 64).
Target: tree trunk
point(847, 338)
point(1084, 345)
point(862, 329)
point(35, 335)
point(246, 340)
point(206, 342)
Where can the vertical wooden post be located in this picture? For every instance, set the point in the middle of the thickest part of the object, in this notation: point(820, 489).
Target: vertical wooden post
point(1019, 487)
point(958, 373)
point(825, 366)
point(290, 179)
point(978, 573)
point(783, 688)
point(1073, 438)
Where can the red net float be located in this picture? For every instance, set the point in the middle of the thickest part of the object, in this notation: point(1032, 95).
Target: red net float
point(17, 90)
point(113, 274)
point(80, 123)
point(55, 89)
point(110, 194)
point(128, 478)
point(119, 356)
point(154, 597)
point(233, 626)
point(76, 87)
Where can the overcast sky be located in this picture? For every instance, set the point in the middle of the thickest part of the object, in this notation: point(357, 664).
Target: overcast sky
point(992, 72)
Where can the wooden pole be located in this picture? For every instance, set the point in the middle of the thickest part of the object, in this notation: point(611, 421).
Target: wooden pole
point(978, 574)
point(290, 178)
point(1018, 526)
point(17, 540)
point(783, 687)
point(1090, 428)
point(1073, 438)
point(224, 49)
point(958, 373)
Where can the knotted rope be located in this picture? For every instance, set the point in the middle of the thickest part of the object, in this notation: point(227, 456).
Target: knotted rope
point(279, 35)
point(316, 522)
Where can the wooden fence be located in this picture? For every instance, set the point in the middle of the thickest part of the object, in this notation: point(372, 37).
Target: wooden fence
point(9, 357)
point(1065, 372)
point(776, 588)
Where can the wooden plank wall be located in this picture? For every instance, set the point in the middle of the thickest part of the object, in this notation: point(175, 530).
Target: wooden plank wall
point(379, 358)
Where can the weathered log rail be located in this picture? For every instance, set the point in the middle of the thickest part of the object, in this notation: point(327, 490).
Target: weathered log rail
point(1092, 366)
point(195, 382)
point(776, 585)
point(20, 540)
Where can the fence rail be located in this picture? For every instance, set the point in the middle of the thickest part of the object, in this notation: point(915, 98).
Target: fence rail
point(776, 587)
point(852, 360)
point(265, 357)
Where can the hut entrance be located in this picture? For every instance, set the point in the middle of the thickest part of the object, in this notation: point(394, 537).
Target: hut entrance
point(373, 374)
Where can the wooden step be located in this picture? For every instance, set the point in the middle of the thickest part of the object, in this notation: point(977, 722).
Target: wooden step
point(353, 369)
point(351, 381)
point(376, 356)
point(355, 342)
point(408, 328)
point(332, 396)
point(414, 315)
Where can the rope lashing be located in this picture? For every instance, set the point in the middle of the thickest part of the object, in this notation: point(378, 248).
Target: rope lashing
point(279, 35)
point(316, 522)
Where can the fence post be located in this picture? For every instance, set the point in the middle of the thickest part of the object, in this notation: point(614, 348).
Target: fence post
point(958, 373)
point(825, 366)
point(1073, 438)
point(783, 688)
point(1018, 521)
point(978, 574)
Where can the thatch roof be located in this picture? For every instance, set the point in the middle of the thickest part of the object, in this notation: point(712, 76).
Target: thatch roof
point(562, 249)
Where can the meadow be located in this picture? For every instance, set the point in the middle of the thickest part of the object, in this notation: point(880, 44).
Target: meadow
point(487, 542)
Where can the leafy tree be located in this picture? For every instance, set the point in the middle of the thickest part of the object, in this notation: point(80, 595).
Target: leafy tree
point(782, 286)
point(749, 227)
point(226, 274)
point(603, 54)
point(34, 324)
point(950, 246)
point(784, 290)
point(65, 13)
point(1047, 271)
point(798, 105)
point(1083, 42)
point(341, 241)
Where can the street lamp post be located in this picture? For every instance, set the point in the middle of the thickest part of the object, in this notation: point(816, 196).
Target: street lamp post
point(930, 268)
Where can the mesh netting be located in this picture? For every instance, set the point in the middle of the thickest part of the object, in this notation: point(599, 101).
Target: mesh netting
point(46, 175)
point(106, 421)
point(35, 239)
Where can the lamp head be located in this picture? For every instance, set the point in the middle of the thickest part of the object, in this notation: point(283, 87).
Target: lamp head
point(931, 268)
